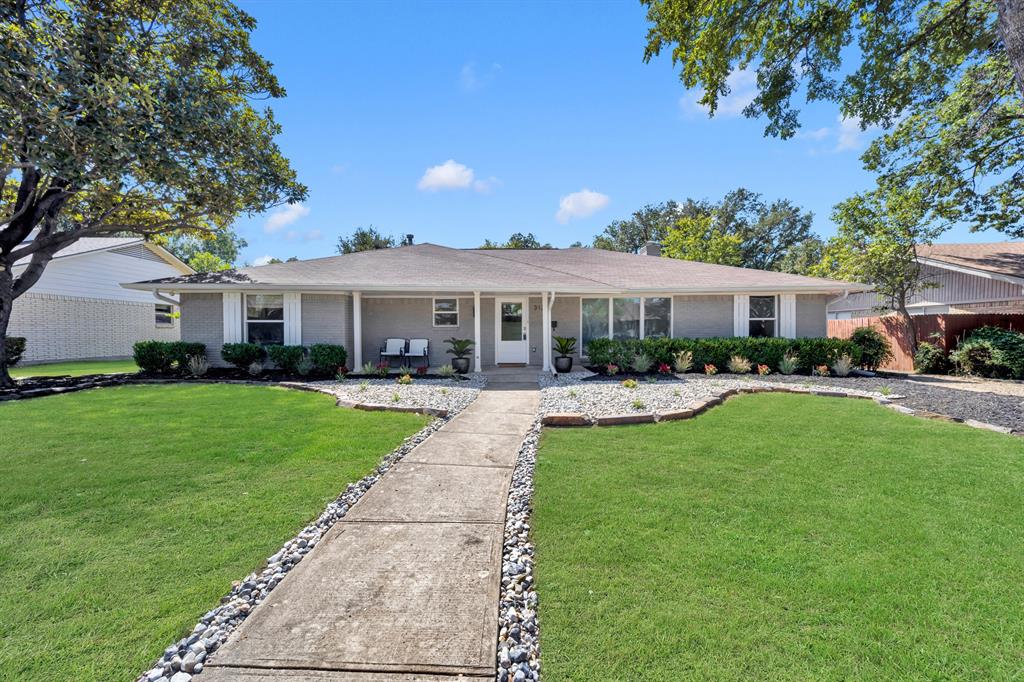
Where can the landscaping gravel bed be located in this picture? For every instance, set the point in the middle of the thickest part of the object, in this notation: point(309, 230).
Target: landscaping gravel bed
point(452, 395)
point(1001, 410)
point(604, 398)
point(518, 630)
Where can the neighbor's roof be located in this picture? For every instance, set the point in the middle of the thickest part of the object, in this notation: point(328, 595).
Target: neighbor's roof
point(1000, 258)
point(97, 244)
point(429, 267)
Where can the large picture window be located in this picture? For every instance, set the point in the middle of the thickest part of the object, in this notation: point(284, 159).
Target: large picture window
point(762, 316)
point(264, 318)
point(625, 318)
point(446, 312)
point(594, 317)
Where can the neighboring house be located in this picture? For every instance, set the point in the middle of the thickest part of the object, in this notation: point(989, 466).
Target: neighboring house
point(968, 278)
point(510, 302)
point(79, 310)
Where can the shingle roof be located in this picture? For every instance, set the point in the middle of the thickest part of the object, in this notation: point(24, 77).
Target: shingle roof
point(427, 267)
point(1002, 258)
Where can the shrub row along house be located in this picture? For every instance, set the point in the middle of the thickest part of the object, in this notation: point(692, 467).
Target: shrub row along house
point(510, 303)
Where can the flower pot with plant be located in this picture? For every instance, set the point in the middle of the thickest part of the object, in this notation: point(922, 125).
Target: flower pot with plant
point(459, 350)
point(565, 346)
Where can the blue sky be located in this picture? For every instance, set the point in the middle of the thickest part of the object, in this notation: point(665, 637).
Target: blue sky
point(458, 122)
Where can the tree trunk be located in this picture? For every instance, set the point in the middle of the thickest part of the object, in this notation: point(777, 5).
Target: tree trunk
point(6, 305)
point(1011, 30)
point(908, 322)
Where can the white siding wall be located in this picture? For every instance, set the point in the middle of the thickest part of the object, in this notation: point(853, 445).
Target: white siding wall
point(99, 276)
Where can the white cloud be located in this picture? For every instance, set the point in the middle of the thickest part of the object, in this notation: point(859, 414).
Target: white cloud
point(580, 205)
point(742, 91)
point(453, 175)
point(850, 135)
point(262, 260)
point(471, 78)
point(818, 134)
point(284, 216)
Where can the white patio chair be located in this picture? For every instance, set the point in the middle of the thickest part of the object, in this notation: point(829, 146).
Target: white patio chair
point(419, 348)
point(392, 348)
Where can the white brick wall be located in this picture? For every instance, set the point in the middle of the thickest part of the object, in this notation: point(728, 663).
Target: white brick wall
point(74, 328)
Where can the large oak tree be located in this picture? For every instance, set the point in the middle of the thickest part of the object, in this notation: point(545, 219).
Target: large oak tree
point(128, 116)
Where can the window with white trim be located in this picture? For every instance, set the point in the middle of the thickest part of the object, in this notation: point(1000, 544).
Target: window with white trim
point(164, 314)
point(625, 318)
point(763, 315)
point(264, 318)
point(446, 312)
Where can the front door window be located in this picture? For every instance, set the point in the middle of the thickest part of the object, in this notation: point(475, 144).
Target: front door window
point(511, 321)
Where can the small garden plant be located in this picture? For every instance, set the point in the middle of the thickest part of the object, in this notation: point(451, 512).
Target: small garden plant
point(446, 371)
point(739, 365)
point(641, 363)
point(682, 361)
point(396, 397)
point(368, 368)
point(611, 369)
point(630, 383)
point(842, 366)
point(198, 365)
point(789, 363)
point(710, 369)
point(383, 368)
point(664, 368)
point(255, 368)
point(821, 370)
point(404, 379)
point(638, 404)
point(763, 370)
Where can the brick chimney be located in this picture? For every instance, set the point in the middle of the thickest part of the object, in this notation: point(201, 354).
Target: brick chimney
point(651, 249)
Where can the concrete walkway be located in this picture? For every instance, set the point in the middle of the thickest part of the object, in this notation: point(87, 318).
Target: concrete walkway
point(406, 586)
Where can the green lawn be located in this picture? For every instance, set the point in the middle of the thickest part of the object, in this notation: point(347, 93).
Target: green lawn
point(781, 538)
point(74, 368)
point(127, 512)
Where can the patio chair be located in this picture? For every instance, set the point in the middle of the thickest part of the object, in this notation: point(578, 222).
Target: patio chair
point(419, 348)
point(392, 348)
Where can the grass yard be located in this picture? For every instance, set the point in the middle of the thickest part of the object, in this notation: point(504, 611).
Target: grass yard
point(781, 537)
point(127, 512)
point(77, 368)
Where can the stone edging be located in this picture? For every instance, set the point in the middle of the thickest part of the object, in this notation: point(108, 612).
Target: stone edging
point(568, 419)
point(185, 658)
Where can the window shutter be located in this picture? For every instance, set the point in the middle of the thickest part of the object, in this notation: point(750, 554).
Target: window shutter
point(292, 318)
point(741, 315)
point(787, 316)
point(232, 316)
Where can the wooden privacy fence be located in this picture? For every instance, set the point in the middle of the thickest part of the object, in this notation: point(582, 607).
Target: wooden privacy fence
point(943, 330)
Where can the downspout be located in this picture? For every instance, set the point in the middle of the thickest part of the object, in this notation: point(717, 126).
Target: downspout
point(547, 332)
point(166, 299)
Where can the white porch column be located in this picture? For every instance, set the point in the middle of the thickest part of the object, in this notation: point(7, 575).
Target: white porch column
point(546, 336)
point(357, 330)
point(477, 367)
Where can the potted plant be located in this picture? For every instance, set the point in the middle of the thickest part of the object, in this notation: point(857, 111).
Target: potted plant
point(459, 350)
point(565, 346)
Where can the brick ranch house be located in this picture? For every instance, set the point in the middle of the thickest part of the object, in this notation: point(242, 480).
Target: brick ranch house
point(78, 309)
point(509, 302)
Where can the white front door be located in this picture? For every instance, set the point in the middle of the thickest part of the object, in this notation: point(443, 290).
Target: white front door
point(511, 322)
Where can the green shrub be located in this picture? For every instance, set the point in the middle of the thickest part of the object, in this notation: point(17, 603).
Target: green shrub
point(717, 351)
point(327, 358)
point(980, 357)
point(164, 356)
point(242, 355)
point(14, 349)
point(930, 359)
point(875, 349)
point(1010, 345)
point(287, 358)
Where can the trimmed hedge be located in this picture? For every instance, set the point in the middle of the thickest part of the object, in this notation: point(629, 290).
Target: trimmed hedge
point(15, 348)
point(287, 358)
point(164, 356)
point(717, 351)
point(241, 355)
point(327, 358)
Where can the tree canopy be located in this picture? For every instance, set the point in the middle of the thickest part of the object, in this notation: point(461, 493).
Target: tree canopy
point(742, 229)
point(128, 116)
point(944, 77)
point(205, 252)
point(365, 239)
point(517, 241)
